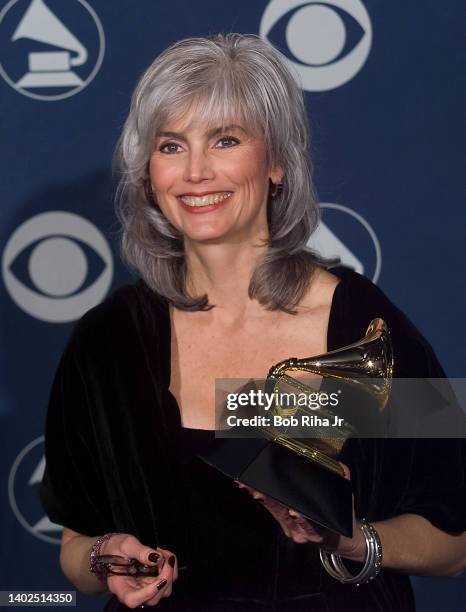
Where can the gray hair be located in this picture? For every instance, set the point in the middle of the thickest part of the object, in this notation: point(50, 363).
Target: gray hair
point(217, 80)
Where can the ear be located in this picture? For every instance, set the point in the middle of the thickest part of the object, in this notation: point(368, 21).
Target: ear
point(277, 174)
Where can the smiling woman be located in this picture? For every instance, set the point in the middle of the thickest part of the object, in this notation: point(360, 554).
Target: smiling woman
point(223, 116)
point(217, 205)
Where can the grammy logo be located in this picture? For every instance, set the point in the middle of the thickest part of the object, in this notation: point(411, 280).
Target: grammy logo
point(49, 68)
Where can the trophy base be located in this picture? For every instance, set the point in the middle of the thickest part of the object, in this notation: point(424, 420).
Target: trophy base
point(297, 482)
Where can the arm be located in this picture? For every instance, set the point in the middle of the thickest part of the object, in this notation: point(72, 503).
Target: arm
point(410, 543)
point(413, 545)
point(131, 591)
point(74, 562)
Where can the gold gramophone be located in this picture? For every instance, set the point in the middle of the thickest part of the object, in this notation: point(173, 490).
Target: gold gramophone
point(302, 471)
point(366, 364)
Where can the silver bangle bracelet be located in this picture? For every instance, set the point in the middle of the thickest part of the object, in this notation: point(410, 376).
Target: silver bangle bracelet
point(334, 565)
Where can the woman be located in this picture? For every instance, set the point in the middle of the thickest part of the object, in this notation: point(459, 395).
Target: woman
point(217, 206)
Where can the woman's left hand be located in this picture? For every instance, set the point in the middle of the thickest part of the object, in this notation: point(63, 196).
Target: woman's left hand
point(301, 530)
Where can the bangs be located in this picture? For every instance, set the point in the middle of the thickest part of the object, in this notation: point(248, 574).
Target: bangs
point(216, 104)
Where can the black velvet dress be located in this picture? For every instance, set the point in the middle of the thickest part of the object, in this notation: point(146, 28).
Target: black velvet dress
point(119, 460)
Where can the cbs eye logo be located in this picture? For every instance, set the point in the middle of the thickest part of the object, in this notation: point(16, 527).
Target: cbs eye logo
point(53, 251)
point(329, 41)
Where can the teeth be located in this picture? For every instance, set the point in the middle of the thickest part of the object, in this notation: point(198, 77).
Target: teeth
point(206, 200)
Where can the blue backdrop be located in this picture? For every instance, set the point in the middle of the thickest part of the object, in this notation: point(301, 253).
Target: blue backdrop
point(381, 81)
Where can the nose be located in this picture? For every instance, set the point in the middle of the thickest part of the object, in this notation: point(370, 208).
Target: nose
point(198, 167)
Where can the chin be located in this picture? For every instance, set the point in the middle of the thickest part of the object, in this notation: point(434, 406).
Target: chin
point(206, 237)
point(201, 232)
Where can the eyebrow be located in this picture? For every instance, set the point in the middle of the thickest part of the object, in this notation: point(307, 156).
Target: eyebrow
point(210, 133)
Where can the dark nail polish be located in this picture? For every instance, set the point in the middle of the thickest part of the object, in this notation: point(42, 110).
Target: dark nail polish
point(154, 557)
point(161, 584)
point(172, 561)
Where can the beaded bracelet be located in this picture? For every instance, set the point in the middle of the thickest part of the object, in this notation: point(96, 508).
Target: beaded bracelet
point(95, 552)
point(372, 564)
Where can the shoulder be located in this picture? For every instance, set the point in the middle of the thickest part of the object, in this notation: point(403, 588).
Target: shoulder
point(128, 309)
point(357, 301)
point(319, 294)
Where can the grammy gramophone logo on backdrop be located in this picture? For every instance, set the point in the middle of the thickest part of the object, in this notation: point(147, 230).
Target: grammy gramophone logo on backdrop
point(24, 478)
point(50, 49)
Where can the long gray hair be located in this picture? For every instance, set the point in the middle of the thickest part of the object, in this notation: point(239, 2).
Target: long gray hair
point(218, 80)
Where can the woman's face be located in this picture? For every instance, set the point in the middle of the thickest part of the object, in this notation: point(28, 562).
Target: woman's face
point(212, 185)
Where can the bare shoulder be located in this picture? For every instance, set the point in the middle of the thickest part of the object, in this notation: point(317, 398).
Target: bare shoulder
point(320, 292)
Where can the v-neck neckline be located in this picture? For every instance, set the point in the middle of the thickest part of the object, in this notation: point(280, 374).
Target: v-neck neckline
point(165, 343)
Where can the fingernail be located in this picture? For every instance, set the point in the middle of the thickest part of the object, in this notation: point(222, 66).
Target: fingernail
point(161, 584)
point(172, 561)
point(154, 557)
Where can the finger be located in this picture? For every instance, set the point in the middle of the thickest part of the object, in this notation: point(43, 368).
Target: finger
point(302, 529)
point(131, 547)
point(173, 561)
point(162, 589)
point(293, 524)
point(258, 496)
point(300, 522)
point(306, 530)
point(128, 591)
point(279, 510)
point(164, 584)
point(170, 567)
point(346, 470)
point(280, 514)
point(254, 492)
point(250, 490)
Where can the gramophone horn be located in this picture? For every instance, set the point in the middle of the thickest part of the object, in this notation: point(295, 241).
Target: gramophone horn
point(41, 24)
point(366, 364)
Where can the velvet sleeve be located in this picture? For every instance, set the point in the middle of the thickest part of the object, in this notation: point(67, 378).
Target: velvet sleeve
point(394, 476)
point(433, 484)
point(73, 489)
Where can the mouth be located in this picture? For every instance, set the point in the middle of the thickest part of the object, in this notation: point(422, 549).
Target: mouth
point(209, 199)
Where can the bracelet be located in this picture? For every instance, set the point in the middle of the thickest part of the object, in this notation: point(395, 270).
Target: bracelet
point(374, 554)
point(95, 552)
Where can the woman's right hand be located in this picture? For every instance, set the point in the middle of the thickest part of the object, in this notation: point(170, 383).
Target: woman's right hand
point(141, 590)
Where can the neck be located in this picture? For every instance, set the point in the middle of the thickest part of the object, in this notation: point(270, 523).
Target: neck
point(224, 271)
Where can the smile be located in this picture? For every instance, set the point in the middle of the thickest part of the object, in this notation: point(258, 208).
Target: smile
point(205, 200)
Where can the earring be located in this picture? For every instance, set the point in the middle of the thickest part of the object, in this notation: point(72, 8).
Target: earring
point(277, 190)
point(148, 191)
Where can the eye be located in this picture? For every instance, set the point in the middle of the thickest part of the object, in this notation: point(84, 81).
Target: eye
point(326, 44)
point(228, 139)
point(171, 145)
point(56, 266)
